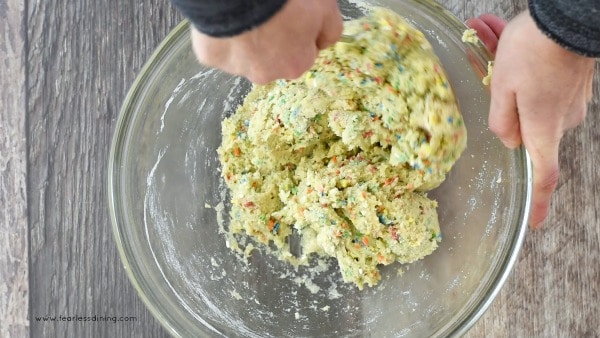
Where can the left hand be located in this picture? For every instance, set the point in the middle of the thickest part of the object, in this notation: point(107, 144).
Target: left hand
point(539, 90)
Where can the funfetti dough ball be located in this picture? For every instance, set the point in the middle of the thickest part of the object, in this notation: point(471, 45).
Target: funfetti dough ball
point(343, 156)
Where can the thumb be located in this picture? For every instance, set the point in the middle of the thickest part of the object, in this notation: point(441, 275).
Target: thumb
point(545, 179)
point(504, 118)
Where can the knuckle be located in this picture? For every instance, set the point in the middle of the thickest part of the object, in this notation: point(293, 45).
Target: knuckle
point(500, 125)
point(498, 129)
point(577, 116)
point(260, 78)
point(549, 180)
point(295, 70)
point(580, 113)
point(508, 134)
point(323, 43)
point(256, 75)
point(294, 73)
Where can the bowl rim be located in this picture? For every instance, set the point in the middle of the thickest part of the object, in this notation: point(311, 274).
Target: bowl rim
point(457, 328)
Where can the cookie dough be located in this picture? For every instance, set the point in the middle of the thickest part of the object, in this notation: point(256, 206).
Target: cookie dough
point(490, 70)
point(340, 159)
point(470, 36)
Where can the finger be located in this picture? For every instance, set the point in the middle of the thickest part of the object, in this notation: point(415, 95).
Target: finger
point(260, 78)
point(495, 23)
point(504, 118)
point(332, 27)
point(485, 33)
point(260, 69)
point(293, 67)
point(300, 62)
point(545, 179)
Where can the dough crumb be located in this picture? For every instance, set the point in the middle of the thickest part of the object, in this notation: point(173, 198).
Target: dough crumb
point(488, 78)
point(470, 36)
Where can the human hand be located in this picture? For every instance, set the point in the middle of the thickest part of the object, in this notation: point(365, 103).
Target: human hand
point(285, 46)
point(539, 90)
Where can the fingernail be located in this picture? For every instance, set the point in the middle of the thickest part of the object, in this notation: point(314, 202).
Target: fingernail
point(536, 225)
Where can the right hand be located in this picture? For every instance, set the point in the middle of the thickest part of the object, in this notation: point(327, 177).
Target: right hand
point(283, 47)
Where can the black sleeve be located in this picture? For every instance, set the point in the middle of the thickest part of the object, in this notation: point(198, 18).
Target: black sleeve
point(574, 24)
point(222, 18)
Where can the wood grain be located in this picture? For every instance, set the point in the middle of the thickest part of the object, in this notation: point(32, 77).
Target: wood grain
point(68, 66)
point(83, 57)
point(554, 290)
point(13, 197)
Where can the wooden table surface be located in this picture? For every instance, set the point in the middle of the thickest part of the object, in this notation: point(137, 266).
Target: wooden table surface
point(67, 66)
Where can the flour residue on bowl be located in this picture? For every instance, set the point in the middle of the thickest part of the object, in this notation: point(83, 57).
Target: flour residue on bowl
point(189, 274)
point(201, 284)
point(168, 103)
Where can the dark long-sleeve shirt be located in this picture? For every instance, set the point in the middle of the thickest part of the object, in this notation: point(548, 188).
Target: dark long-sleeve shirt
point(222, 18)
point(574, 24)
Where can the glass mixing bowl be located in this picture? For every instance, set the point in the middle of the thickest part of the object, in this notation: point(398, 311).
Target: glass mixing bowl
point(169, 206)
